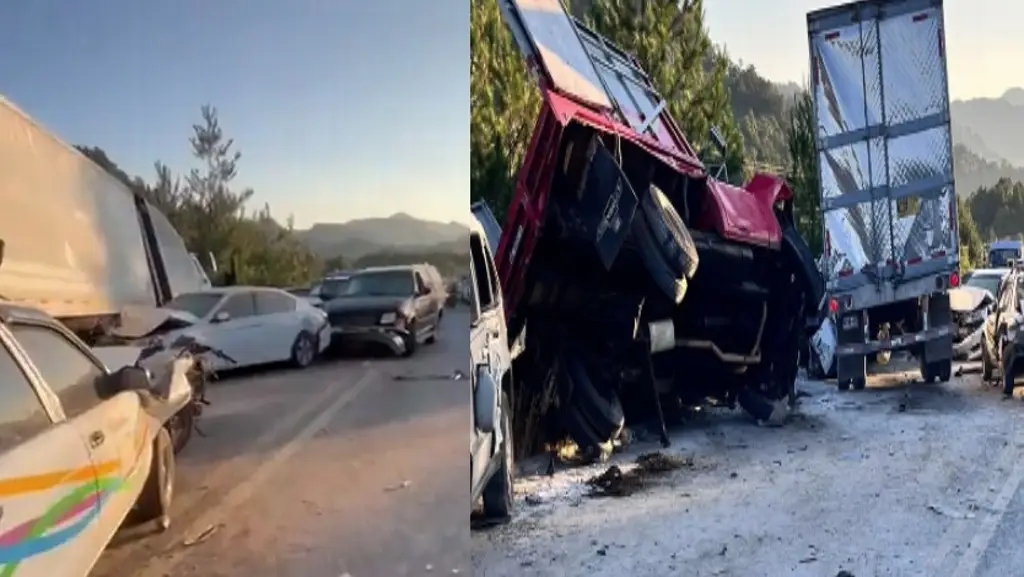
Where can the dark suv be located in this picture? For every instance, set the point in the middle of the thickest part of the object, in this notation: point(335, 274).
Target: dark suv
point(1002, 340)
point(396, 306)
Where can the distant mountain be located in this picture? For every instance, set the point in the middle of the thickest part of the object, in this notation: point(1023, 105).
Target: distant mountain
point(398, 233)
point(972, 170)
point(992, 127)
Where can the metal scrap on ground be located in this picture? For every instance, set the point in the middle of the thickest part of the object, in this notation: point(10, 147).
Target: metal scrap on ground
point(615, 482)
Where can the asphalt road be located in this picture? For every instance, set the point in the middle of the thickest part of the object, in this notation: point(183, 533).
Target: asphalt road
point(353, 466)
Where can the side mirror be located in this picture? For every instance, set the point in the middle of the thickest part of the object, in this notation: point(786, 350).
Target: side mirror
point(221, 316)
point(129, 378)
point(485, 401)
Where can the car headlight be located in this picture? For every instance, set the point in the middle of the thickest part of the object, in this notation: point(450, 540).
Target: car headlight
point(388, 318)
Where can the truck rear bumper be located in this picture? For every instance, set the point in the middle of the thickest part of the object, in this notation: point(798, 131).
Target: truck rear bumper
point(904, 341)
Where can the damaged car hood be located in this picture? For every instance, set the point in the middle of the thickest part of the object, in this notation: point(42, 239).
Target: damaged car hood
point(966, 299)
point(139, 321)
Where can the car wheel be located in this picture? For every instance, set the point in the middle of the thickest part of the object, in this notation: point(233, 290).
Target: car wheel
point(498, 493)
point(304, 350)
point(180, 426)
point(154, 502)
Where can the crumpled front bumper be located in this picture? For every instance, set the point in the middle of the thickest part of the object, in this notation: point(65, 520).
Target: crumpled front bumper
point(968, 347)
point(391, 337)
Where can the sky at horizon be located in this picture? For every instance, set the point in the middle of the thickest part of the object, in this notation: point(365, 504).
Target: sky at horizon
point(983, 40)
point(341, 110)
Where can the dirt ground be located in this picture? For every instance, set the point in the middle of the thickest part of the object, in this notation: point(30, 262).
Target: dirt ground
point(902, 479)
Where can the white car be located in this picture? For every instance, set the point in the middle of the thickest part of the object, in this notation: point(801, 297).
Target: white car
point(252, 325)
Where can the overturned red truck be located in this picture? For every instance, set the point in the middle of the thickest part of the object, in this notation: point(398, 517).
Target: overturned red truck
point(647, 284)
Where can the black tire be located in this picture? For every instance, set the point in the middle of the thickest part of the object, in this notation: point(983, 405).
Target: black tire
point(670, 282)
point(944, 370)
point(805, 265)
point(859, 383)
point(669, 232)
point(304, 349)
point(986, 364)
point(154, 502)
point(597, 402)
point(180, 427)
point(497, 494)
point(843, 385)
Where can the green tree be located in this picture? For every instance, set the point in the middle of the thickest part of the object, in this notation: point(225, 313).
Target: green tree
point(803, 170)
point(503, 104)
point(972, 249)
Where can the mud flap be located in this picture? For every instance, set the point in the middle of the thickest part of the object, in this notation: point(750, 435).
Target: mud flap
point(939, 314)
point(602, 210)
point(850, 368)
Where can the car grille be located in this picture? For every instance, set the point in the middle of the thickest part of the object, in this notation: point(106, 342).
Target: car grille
point(353, 319)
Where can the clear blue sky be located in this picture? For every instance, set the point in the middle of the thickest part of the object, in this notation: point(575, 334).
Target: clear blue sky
point(342, 108)
point(983, 39)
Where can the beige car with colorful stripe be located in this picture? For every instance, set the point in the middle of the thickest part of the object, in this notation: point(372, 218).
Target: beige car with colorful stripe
point(82, 448)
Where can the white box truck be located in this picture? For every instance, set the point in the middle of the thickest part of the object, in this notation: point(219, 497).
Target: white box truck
point(78, 243)
point(888, 200)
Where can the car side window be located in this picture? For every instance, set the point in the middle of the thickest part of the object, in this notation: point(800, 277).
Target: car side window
point(22, 415)
point(239, 306)
point(420, 282)
point(69, 372)
point(269, 303)
point(481, 274)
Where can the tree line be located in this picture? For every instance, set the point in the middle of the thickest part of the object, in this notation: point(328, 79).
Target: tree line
point(213, 217)
point(765, 130)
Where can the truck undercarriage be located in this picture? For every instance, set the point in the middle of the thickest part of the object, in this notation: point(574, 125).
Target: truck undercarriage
point(646, 284)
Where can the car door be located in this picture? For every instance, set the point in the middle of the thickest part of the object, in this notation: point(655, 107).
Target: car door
point(115, 430)
point(481, 445)
point(281, 324)
point(238, 336)
point(49, 500)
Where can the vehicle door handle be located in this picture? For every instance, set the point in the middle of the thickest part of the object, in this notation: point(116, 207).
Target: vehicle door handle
point(96, 439)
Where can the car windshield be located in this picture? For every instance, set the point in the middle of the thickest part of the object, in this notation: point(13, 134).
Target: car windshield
point(199, 304)
point(1002, 256)
point(989, 282)
point(384, 284)
point(334, 287)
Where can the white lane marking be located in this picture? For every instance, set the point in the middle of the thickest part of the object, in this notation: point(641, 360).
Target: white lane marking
point(971, 558)
point(269, 438)
point(159, 566)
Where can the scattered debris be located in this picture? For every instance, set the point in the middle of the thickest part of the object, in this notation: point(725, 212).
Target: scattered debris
point(203, 535)
point(947, 512)
point(454, 376)
point(616, 483)
point(845, 573)
point(403, 485)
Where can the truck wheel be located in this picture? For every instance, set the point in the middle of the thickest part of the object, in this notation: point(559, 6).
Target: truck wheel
point(498, 491)
point(669, 231)
point(804, 265)
point(154, 502)
point(944, 370)
point(843, 384)
point(598, 403)
point(859, 383)
point(669, 281)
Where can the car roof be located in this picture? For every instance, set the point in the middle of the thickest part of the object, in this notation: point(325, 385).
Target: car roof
point(1004, 244)
point(12, 311)
point(990, 272)
point(389, 268)
point(235, 289)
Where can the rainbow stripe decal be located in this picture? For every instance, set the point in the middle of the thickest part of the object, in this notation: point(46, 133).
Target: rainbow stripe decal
point(62, 522)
